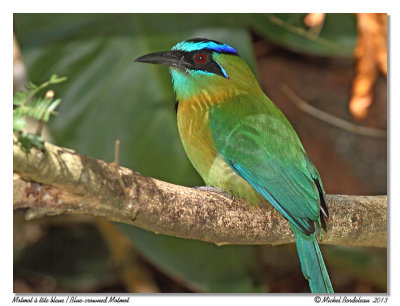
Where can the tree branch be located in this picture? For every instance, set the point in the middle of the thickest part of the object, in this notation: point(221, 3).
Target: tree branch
point(60, 181)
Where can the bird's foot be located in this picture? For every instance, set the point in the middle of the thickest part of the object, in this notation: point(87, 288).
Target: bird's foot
point(216, 190)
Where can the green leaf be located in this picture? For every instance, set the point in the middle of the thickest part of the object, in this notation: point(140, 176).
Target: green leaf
point(337, 38)
point(19, 122)
point(37, 107)
point(20, 112)
point(50, 109)
point(28, 141)
point(31, 86)
point(54, 79)
point(19, 117)
point(20, 98)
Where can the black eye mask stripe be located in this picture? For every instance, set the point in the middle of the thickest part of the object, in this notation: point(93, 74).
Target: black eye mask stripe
point(209, 65)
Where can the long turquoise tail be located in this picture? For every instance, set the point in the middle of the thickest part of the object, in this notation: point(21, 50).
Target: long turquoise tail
point(312, 263)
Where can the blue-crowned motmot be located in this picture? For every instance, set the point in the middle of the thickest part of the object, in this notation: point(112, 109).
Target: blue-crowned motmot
point(239, 141)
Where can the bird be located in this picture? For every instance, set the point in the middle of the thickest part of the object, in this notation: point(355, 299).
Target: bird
point(241, 143)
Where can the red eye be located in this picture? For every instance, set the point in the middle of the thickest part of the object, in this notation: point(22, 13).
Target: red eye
point(201, 58)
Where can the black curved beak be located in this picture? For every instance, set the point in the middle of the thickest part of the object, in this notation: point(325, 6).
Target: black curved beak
point(168, 58)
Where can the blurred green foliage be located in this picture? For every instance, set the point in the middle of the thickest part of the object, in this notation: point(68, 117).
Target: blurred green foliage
point(110, 97)
point(337, 36)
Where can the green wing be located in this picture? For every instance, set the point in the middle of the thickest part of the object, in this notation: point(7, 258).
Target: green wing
point(260, 145)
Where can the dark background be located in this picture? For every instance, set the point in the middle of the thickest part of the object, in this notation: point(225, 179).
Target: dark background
point(108, 97)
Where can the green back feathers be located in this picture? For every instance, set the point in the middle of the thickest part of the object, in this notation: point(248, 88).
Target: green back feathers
point(257, 141)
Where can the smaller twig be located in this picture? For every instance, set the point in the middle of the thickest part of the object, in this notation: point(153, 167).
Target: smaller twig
point(39, 128)
point(120, 180)
point(116, 164)
point(333, 120)
point(116, 152)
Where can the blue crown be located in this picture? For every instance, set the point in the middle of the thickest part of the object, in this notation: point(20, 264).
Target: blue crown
point(202, 43)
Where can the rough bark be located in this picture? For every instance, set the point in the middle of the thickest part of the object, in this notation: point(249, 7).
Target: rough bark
point(60, 181)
